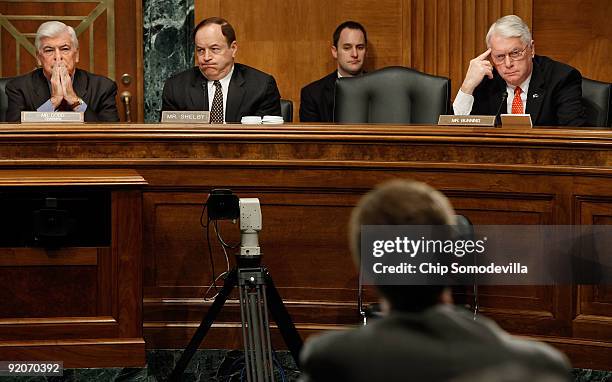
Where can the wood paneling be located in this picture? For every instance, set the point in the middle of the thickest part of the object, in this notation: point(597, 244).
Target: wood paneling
point(577, 32)
point(308, 177)
point(82, 305)
point(293, 43)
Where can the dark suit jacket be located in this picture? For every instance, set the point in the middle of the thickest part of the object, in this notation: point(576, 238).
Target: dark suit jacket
point(317, 100)
point(554, 97)
point(251, 92)
point(438, 344)
point(30, 91)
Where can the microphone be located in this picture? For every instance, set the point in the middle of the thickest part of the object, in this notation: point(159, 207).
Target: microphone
point(503, 101)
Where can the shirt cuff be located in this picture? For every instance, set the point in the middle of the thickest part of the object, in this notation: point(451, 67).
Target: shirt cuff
point(463, 103)
point(81, 108)
point(46, 107)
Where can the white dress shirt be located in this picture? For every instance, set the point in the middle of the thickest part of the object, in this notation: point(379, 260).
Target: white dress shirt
point(464, 102)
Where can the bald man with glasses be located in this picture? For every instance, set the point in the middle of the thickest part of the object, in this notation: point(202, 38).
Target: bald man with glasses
point(510, 78)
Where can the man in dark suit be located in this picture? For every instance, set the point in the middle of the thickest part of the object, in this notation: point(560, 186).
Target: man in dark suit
point(422, 336)
point(227, 89)
point(59, 85)
point(509, 78)
point(349, 50)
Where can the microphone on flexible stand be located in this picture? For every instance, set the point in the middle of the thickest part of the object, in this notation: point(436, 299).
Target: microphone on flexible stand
point(503, 101)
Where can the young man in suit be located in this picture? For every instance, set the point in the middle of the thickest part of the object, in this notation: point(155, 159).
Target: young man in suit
point(349, 50)
point(227, 89)
point(58, 85)
point(510, 78)
point(422, 336)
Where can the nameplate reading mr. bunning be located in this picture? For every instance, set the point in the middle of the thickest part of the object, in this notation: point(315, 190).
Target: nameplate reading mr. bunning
point(185, 116)
point(466, 120)
point(51, 117)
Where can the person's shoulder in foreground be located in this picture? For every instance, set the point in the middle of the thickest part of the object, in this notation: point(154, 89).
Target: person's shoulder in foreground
point(422, 335)
point(439, 344)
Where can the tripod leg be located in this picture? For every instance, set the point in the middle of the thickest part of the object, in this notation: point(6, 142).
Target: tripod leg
point(207, 321)
point(283, 319)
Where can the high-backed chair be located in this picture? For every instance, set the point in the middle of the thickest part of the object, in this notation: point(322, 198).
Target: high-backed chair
point(287, 110)
point(3, 98)
point(391, 95)
point(596, 98)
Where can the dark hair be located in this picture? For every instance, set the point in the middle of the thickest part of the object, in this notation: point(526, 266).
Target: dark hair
point(402, 202)
point(349, 25)
point(226, 28)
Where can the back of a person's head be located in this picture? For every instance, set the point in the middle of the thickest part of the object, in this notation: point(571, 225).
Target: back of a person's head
point(402, 202)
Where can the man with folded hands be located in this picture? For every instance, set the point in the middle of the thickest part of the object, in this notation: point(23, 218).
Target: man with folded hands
point(58, 85)
point(510, 78)
point(227, 89)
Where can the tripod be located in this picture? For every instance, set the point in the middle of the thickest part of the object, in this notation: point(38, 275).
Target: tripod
point(257, 294)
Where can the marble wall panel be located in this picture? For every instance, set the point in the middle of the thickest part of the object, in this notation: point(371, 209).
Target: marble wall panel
point(168, 47)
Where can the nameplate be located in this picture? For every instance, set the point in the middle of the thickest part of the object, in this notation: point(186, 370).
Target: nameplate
point(51, 117)
point(466, 120)
point(185, 116)
point(516, 121)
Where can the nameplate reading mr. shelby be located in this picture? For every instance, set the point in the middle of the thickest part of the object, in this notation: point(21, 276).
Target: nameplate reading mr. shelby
point(466, 120)
point(185, 116)
point(51, 117)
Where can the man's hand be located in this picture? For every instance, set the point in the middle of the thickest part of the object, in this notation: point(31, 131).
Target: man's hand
point(57, 90)
point(69, 93)
point(479, 67)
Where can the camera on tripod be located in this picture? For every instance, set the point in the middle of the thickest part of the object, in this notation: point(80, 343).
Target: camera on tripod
point(223, 204)
point(257, 293)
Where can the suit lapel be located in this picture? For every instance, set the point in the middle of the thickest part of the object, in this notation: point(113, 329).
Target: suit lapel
point(235, 94)
point(497, 101)
point(535, 95)
point(80, 84)
point(198, 91)
point(329, 94)
point(40, 85)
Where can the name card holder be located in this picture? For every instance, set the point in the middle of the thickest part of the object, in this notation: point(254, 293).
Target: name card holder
point(516, 121)
point(467, 120)
point(52, 117)
point(185, 116)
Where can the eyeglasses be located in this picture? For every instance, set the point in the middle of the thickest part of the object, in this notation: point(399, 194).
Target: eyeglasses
point(515, 55)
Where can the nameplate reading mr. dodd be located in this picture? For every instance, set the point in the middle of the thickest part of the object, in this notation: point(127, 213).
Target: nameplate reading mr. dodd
point(466, 120)
point(51, 117)
point(185, 116)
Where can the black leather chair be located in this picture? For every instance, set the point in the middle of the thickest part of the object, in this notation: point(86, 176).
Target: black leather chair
point(3, 98)
point(392, 95)
point(287, 110)
point(596, 98)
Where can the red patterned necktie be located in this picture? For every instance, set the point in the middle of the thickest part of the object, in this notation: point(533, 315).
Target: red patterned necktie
point(517, 103)
point(216, 111)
